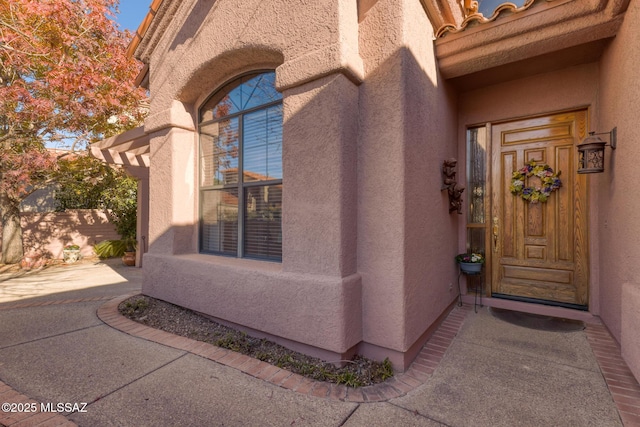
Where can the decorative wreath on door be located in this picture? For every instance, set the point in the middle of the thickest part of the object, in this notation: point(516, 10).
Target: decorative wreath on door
point(549, 180)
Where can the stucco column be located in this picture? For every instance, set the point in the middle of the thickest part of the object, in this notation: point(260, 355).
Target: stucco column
point(406, 237)
point(172, 181)
point(141, 174)
point(319, 215)
point(142, 226)
point(320, 130)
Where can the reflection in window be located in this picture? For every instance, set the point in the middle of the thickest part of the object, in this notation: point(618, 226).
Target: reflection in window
point(263, 221)
point(241, 169)
point(219, 153)
point(220, 221)
point(262, 153)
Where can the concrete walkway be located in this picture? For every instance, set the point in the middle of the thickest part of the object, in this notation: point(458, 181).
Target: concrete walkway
point(63, 342)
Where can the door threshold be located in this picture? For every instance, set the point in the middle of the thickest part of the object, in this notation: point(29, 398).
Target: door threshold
point(541, 301)
point(528, 307)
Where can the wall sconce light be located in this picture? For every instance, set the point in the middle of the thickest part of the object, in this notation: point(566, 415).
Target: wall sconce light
point(591, 151)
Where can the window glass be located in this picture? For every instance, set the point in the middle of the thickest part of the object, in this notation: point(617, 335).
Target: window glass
point(476, 174)
point(220, 221)
point(219, 143)
point(241, 169)
point(262, 154)
point(259, 90)
point(263, 221)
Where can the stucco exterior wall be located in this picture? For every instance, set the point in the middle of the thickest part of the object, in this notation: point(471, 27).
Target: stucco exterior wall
point(172, 207)
point(569, 88)
point(205, 45)
point(619, 220)
point(407, 116)
point(319, 163)
point(314, 296)
point(431, 232)
point(363, 269)
point(42, 200)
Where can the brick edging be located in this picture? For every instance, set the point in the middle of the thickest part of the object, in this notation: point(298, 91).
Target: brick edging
point(419, 371)
point(623, 386)
point(24, 419)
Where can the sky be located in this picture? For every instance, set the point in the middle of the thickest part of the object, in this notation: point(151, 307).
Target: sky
point(132, 12)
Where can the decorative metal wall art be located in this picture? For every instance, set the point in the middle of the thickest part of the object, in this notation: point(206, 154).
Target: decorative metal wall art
point(451, 185)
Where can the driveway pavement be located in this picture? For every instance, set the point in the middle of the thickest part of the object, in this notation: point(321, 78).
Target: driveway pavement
point(66, 352)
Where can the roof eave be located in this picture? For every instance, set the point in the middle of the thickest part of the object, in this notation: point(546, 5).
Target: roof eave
point(143, 27)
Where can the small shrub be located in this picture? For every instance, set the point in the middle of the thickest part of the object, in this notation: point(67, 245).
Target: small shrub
point(384, 370)
point(110, 248)
point(136, 306)
point(348, 378)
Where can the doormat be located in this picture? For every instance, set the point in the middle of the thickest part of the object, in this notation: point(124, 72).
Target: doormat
point(537, 321)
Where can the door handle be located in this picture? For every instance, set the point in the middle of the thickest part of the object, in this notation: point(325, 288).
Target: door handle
point(496, 231)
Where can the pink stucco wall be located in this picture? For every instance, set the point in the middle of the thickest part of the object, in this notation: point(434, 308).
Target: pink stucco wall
point(618, 224)
point(47, 233)
point(314, 296)
point(359, 271)
point(406, 237)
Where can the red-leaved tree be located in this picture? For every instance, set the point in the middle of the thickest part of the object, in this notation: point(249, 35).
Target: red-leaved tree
point(64, 77)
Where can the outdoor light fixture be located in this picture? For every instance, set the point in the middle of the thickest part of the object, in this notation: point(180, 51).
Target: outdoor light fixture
point(591, 152)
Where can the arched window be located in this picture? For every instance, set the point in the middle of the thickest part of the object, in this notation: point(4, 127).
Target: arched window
point(241, 169)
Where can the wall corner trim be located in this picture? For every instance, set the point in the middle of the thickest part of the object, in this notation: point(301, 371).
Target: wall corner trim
point(630, 322)
point(332, 59)
point(176, 116)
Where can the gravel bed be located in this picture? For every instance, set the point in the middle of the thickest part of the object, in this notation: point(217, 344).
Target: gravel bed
point(158, 314)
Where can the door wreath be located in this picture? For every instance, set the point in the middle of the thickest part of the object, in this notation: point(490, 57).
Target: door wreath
point(549, 182)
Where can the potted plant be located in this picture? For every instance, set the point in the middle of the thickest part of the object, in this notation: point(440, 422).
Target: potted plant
point(129, 257)
point(71, 253)
point(470, 263)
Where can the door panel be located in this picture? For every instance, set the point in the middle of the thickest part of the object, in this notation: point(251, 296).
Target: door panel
point(540, 249)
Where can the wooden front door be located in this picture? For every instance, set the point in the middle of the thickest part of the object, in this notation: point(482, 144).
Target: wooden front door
point(539, 250)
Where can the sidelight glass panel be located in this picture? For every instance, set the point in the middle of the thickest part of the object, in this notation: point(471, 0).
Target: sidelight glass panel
point(476, 240)
point(477, 190)
point(476, 174)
